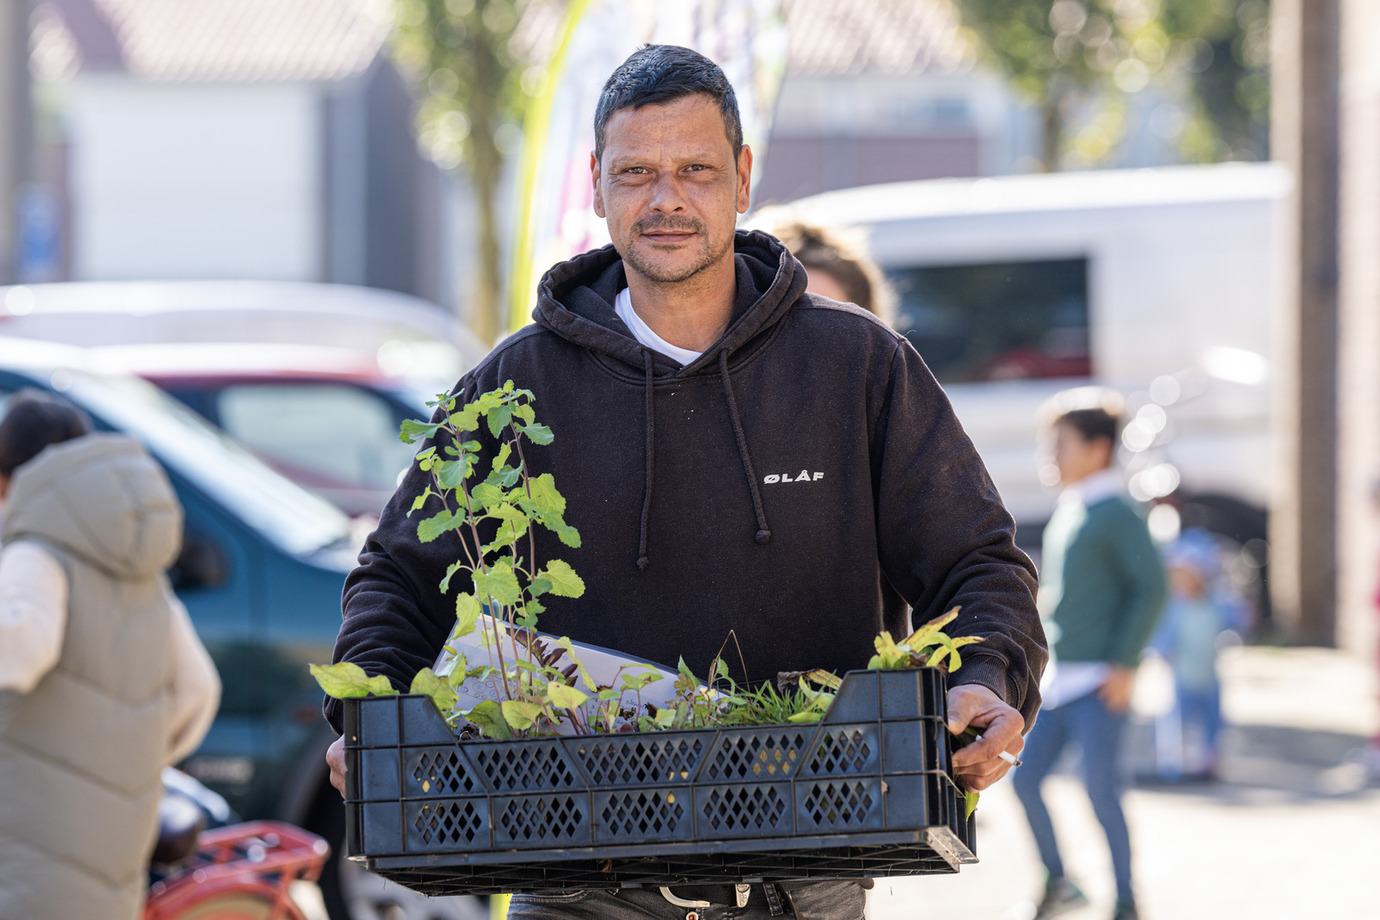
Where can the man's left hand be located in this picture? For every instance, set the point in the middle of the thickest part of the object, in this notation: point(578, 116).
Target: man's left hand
point(979, 764)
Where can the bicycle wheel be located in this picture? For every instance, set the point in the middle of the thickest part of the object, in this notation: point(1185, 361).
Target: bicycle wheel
point(235, 905)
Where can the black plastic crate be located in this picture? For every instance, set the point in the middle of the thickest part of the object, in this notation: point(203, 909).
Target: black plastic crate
point(865, 793)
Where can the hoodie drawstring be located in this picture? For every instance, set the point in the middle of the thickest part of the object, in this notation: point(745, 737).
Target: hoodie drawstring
point(642, 560)
point(763, 531)
point(763, 534)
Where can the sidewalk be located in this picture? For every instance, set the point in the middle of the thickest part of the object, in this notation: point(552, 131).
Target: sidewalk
point(1291, 830)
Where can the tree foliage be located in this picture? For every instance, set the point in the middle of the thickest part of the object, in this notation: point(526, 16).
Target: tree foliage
point(1080, 61)
point(458, 55)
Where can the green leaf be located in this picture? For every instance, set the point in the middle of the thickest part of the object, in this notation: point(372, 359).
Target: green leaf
point(520, 714)
point(451, 474)
point(499, 417)
point(439, 523)
point(924, 636)
point(487, 495)
point(636, 681)
point(543, 495)
point(489, 717)
point(414, 430)
point(564, 696)
point(970, 802)
point(808, 715)
point(564, 581)
point(451, 570)
point(467, 611)
point(347, 680)
point(888, 654)
point(467, 419)
point(500, 583)
point(428, 684)
point(569, 646)
point(505, 451)
point(537, 434)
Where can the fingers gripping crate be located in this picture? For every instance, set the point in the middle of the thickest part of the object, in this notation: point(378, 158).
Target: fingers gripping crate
point(865, 793)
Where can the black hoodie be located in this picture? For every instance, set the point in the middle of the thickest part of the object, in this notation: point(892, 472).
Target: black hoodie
point(802, 485)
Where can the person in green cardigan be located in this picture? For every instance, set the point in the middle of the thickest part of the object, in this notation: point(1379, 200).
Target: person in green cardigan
point(1102, 587)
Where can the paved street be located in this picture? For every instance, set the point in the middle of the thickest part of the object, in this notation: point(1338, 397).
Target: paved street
point(1292, 829)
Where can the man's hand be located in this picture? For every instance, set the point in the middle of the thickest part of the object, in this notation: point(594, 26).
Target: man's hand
point(979, 764)
point(1115, 691)
point(335, 758)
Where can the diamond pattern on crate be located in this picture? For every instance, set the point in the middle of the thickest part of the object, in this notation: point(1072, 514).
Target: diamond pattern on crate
point(541, 817)
point(838, 804)
point(625, 761)
point(441, 772)
point(452, 823)
point(639, 814)
point(524, 767)
point(745, 808)
point(756, 755)
point(841, 751)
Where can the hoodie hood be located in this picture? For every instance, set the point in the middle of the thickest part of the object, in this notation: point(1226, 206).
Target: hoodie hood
point(102, 498)
point(575, 301)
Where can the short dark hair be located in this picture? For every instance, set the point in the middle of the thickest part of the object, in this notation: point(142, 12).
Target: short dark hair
point(35, 419)
point(1092, 424)
point(659, 74)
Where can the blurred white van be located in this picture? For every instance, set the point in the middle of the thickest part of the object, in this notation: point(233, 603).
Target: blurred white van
point(1158, 283)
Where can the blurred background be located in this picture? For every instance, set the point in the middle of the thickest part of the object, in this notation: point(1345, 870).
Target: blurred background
point(259, 233)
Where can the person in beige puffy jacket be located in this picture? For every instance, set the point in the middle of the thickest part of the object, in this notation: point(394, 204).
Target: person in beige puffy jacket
point(103, 681)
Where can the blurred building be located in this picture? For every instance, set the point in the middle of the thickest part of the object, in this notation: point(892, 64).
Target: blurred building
point(233, 139)
point(885, 92)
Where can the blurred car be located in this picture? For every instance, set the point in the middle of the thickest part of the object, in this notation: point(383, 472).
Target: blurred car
point(314, 378)
point(327, 418)
point(401, 331)
point(261, 571)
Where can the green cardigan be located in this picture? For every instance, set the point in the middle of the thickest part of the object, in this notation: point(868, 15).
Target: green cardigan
point(1102, 582)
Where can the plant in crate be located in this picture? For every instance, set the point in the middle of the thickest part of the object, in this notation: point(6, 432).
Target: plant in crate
point(534, 682)
point(530, 682)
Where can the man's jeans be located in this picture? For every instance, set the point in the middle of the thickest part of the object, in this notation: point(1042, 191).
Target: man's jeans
point(1087, 723)
point(809, 900)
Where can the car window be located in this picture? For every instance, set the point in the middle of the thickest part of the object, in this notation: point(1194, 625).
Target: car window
point(320, 434)
point(997, 321)
point(287, 515)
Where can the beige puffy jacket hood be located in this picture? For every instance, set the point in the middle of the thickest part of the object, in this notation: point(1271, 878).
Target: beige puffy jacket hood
point(101, 498)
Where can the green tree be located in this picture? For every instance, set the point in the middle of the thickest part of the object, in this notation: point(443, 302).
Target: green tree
point(459, 57)
point(1086, 57)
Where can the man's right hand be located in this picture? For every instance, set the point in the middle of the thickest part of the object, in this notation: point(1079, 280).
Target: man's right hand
point(335, 759)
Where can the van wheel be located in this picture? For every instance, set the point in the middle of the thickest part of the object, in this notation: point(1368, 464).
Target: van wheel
point(350, 892)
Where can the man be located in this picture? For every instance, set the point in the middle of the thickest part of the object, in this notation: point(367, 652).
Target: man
point(1102, 588)
point(736, 454)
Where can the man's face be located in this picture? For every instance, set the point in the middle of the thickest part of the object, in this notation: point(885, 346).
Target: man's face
point(670, 188)
point(1076, 457)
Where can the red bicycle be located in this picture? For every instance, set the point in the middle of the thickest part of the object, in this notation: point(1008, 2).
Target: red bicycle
point(239, 872)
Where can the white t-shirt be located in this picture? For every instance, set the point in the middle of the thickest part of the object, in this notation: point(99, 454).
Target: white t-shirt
point(622, 305)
